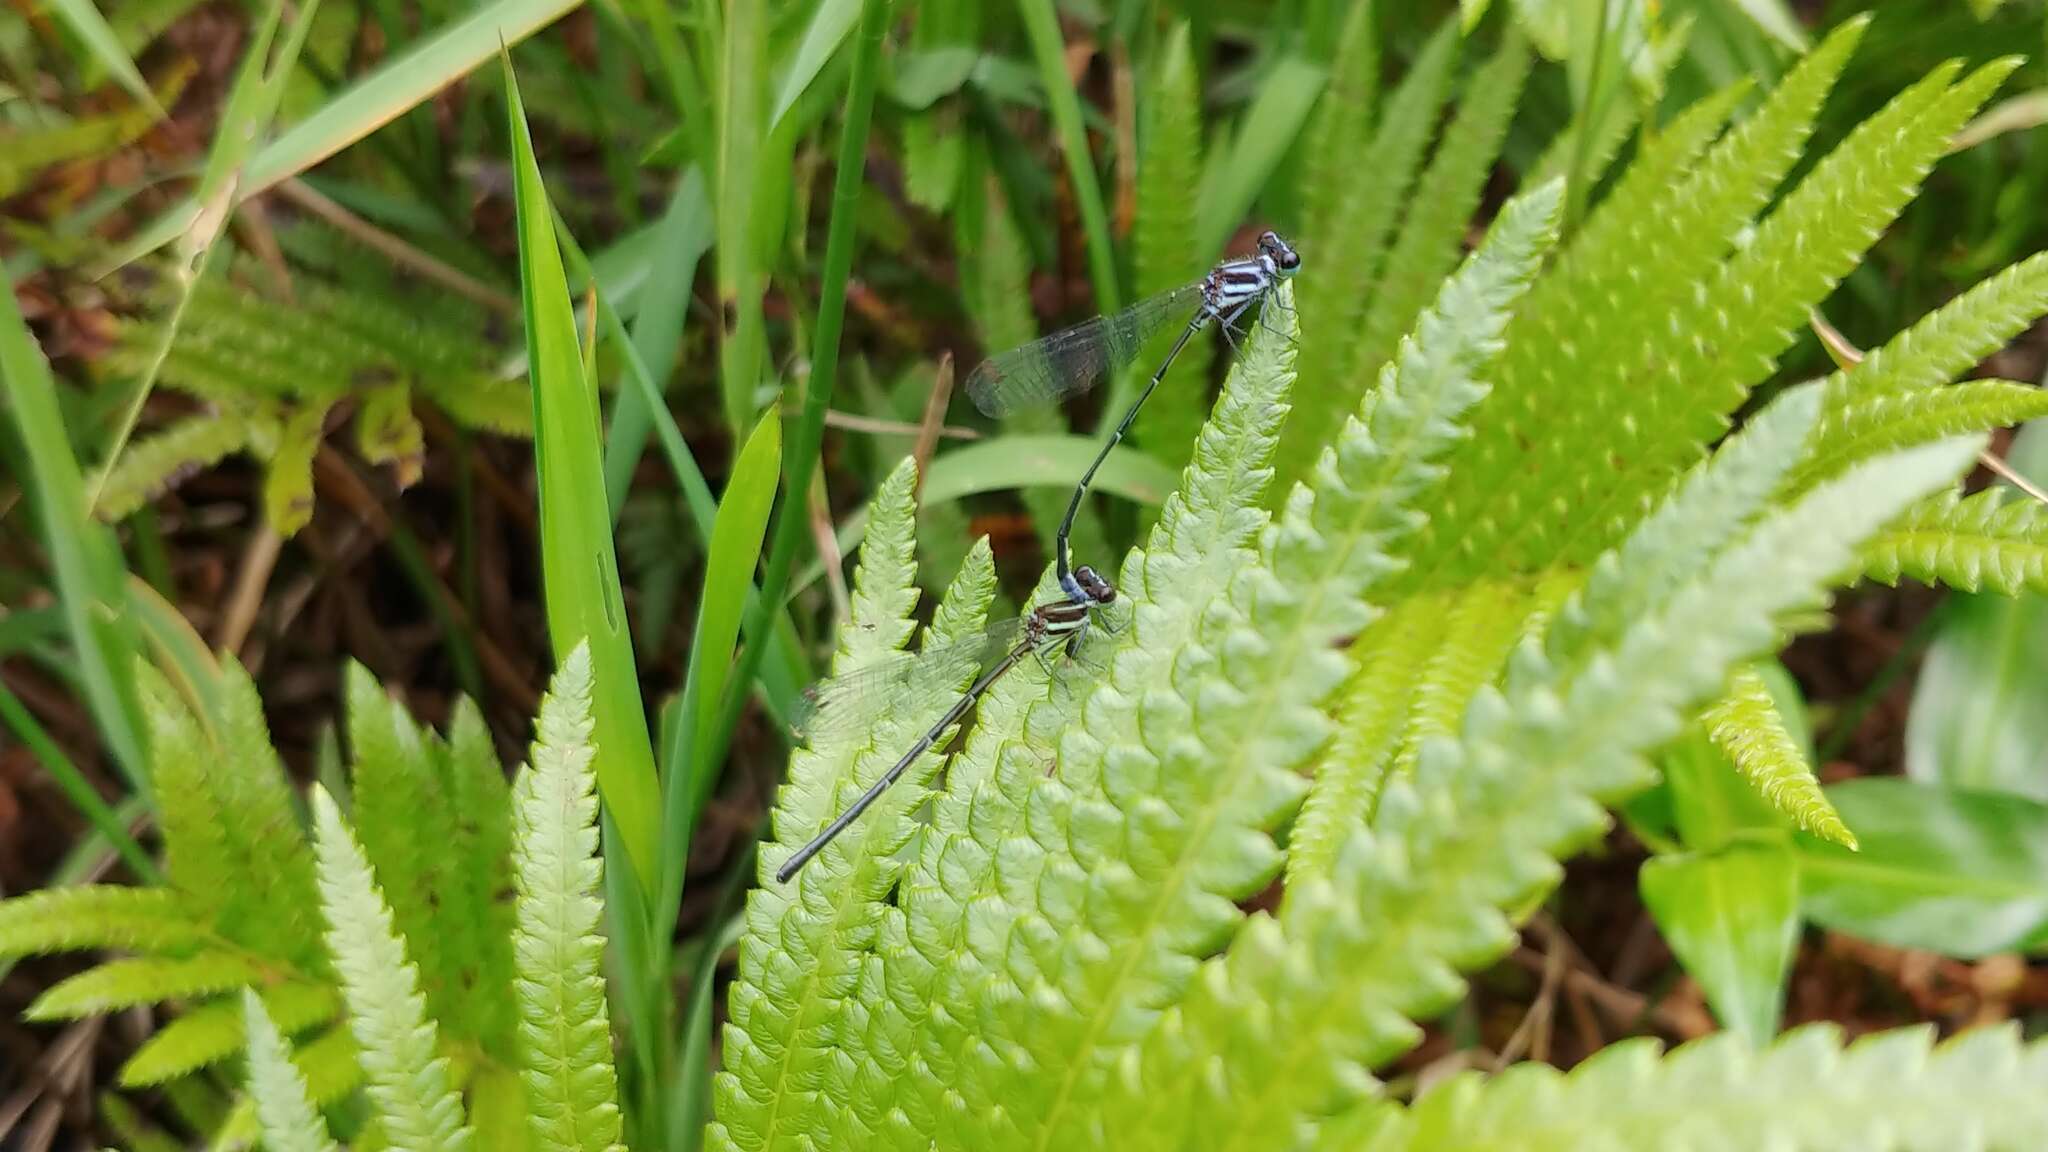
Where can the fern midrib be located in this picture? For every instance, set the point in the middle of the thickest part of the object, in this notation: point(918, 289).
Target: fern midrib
point(1307, 613)
point(565, 967)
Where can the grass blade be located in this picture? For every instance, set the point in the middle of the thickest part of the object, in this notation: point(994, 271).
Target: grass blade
point(406, 81)
point(91, 578)
point(1042, 25)
point(1263, 139)
point(801, 460)
point(92, 30)
point(584, 601)
point(742, 345)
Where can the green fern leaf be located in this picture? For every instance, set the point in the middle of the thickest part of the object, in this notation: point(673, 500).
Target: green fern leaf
point(780, 1049)
point(1371, 710)
point(121, 984)
point(1990, 540)
point(288, 483)
point(480, 878)
point(1950, 340)
point(289, 1121)
point(978, 855)
point(160, 462)
point(1894, 1091)
point(1746, 727)
point(1162, 844)
point(1814, 237)
point(1873, 425)
point(409, 1084)
point(1164, 255)
point(1481, 627)
point(1343, 127)
point(1431, 237)
point(150, 920)
point(213, 1031)
point(265, 830)
point(1570, 380)
point(1477, 829)
point(565, 1032)
point(203, 863)
point(1338, 275)
point(402, 821)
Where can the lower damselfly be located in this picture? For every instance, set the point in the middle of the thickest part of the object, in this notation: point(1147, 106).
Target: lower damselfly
point(1072, 361)
point(847, 703)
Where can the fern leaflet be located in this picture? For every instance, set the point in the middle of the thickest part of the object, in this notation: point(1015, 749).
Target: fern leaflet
point(565, 1032)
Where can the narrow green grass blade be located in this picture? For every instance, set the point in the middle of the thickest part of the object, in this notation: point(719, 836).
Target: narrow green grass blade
point(1043, 28)
point(735, 550)
point(742, 80)
point(76, 788)
point(681, 240)
point(251, 104)
point(736, 541)
point(801, 460)
point(1264, 137)
point(829, 26)
point(91, 578)
point(403, 83)
point(92, 30)
point(580, 568)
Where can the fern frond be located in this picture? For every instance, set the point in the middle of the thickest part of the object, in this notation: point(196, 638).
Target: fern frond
point(201, 863)
point(289, 1121)
point(1343, 126)
point(1570, 390)
point(1869, 426)
point(979, 860)
point(1745, 725)
point(1371, 711)
point(1433, 233)
point(1483, 625)
point(1894, 1091)
point(148, 920)
point(1950, 340)
point(1990, 540)
point(1816, 235)
point(785, 1021)
point(1162, 843)
point(264, 830)
point(565, 1031)
point(480, 879)
point(409, 1085)
point(1164, 254)
point(155, 464)
point(212, 1032)
point(120, 984)
point(1284, 1029)
point(1336, 283)
point(401, 820)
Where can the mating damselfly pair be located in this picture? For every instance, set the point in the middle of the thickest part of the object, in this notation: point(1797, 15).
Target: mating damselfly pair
point(1042, 372)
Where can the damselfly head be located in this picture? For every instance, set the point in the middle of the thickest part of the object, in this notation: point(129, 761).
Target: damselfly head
point(1097, 589)
point(1285, 258)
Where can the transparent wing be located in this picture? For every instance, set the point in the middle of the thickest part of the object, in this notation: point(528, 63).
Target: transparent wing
point(1073, 360)
point(848, 703)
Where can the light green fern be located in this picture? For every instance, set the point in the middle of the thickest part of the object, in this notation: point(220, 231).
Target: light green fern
point(1057, 955)
point(278, 1089)
point(1746, 726)
point(565, 1034)
point(1889, 1092)
point(408, 1080)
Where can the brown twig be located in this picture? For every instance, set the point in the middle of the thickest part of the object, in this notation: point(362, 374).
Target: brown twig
point(252, 576)
point(827, 542)
point(934, 416)
point(396, 250)
point(850, 422)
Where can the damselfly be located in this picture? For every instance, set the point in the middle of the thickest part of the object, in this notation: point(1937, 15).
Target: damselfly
point(844, 703)
point(1074, 360)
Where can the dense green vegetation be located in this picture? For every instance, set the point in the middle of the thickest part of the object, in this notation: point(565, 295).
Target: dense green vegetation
point(1648, 370)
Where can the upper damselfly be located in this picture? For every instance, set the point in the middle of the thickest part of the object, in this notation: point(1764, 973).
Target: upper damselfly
point(1075, 359)
point(850, 702)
